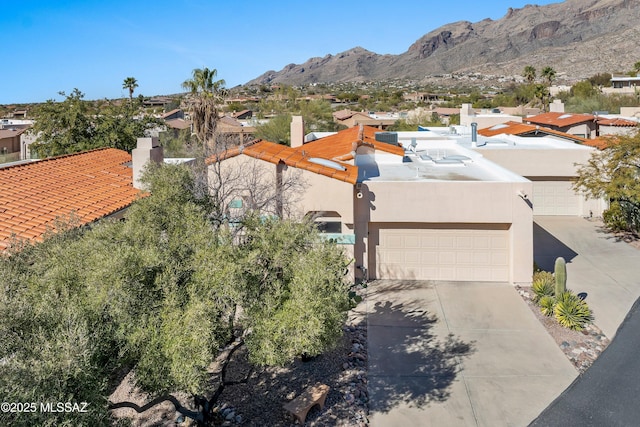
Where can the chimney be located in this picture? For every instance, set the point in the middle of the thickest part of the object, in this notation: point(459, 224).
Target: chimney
point(297, 131)
point(147, 149)
point(466, 114)
point(474, 135)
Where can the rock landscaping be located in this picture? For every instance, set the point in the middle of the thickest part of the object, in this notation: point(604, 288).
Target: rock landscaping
point(582, 348)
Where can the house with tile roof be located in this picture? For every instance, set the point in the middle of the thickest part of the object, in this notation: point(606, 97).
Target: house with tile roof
point(583, 125)
point(87, 186)
point(616, 125)
point(536, 131)
point(430, 210)
point(547, 158)
point(350, 118)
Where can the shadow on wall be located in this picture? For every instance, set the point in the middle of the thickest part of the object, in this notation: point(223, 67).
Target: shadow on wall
point(546, 248)
point(408, 363)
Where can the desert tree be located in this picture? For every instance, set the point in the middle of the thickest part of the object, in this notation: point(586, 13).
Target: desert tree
point(131, 84)
point(614, 174)
point(161, 294)
point(75, 124)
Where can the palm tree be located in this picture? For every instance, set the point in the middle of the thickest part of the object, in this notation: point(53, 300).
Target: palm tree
point(541, 92)
point(529, 73)
point(130, 83)
point(548, 74)
point(206, 94)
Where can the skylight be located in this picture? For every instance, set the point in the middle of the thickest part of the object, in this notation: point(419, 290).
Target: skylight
point(328, 163)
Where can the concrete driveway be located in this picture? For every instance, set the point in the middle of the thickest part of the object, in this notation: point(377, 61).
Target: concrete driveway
point(606, 269)
point(458, 354)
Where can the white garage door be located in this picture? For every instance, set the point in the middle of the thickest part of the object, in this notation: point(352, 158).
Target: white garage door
point(423, 252)
point(555, 198)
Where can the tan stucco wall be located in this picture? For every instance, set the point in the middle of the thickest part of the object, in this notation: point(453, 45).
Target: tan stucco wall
point(547, 164)
point(538, 162)
point(451, 202)
point(322, 193)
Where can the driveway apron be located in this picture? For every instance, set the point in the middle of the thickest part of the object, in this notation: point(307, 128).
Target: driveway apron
point(598, 264)
point(458, 354)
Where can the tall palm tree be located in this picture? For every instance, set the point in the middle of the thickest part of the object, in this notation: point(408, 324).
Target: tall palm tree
point(529, 73)
point(206, 94)
point(130, 83)
point(548, 74)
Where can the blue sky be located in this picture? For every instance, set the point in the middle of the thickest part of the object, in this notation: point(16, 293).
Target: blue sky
point(58, 45)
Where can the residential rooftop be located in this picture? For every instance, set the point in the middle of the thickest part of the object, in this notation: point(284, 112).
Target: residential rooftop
point(88, 185)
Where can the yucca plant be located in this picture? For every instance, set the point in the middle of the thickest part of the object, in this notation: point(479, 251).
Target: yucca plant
point(543, 285)
point(547, 304)
point(572, 312)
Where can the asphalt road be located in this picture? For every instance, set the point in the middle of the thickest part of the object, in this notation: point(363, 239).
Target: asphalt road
point(608, 394)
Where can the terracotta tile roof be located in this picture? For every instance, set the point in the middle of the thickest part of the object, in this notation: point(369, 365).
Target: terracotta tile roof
point(560, 119)
point(509, 128)
point(523, 129)
point(341, 145)
point(91, 184)
point(312, 156)
point(617, 122)
point(276, 153)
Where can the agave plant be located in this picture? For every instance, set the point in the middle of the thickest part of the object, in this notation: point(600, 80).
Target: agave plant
point(543, 285)
point(547, 304)
point(572, 312)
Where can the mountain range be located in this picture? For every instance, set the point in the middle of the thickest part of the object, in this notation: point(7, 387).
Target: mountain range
point(577, 38)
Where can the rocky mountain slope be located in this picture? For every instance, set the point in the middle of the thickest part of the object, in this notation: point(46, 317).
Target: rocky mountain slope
point(578, 38)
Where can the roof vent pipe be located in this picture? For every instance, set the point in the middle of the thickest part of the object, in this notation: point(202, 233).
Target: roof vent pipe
point(474, 135)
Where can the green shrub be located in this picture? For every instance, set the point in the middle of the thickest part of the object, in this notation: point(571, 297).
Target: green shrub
point(547, 304)
point(572, 312)
point(543, 285)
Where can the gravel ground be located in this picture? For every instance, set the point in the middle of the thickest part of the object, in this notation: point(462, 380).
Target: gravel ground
point(259, 400)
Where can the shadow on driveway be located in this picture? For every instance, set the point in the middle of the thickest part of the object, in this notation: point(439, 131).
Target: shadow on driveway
point(412, 365)
point(546, 248)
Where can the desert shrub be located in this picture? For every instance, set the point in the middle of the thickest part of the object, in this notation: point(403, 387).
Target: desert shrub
point(543, 285)
point(572, 312)
point(547, 304)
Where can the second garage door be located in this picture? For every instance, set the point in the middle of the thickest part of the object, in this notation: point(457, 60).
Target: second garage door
point(439, 251)
point(555, 198)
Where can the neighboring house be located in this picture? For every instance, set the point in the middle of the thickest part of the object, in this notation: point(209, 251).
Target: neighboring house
point(351, 119)
point(10, 138)
point(623, 85)
point(178, 124)
point(549, 159)
point(583, 125)
point(87, 186)
point(535, 131)
point(430, 210)
point(612, 125)
point(173, 115)
point(242, 115)
point(233, 130)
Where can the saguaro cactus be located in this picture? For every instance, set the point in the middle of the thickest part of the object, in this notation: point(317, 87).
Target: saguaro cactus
point(560, 274)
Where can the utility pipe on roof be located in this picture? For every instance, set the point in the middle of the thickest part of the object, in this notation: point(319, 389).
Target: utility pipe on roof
point(474, 135)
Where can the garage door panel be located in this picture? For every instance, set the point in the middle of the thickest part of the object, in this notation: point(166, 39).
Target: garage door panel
point(555, 198)
point(424, 253)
